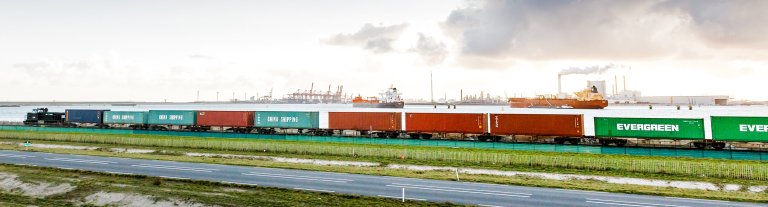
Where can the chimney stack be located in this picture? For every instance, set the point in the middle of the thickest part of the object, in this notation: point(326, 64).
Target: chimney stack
point(559, 89)
point(625, 83)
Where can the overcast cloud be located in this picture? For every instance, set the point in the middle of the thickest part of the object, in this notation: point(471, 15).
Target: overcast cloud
point(376, 38)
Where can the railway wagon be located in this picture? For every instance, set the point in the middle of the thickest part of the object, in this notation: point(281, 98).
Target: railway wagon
point(85, 116)
point(423, 125)
point(133, 119)
point(740, 129)
point(236, 121)
point(268, 122)
point(381, 124)
point(564, 127)
point(164, 119)
point(607, 128)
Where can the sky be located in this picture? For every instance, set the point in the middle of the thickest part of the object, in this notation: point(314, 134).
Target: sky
point(168, 50)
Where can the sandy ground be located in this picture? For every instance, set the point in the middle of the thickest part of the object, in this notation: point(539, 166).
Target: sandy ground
point(133, 200)
point(10, 182)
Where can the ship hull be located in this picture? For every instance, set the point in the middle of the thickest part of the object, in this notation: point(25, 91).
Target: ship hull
point(396, 105)
point(557, 103)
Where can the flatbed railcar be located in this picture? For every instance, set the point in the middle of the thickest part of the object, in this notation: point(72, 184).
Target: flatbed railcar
point(551, 128)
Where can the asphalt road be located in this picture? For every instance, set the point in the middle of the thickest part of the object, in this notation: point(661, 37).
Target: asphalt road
point(367, 185)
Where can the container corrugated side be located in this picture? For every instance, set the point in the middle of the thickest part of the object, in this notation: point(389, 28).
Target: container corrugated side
point(743, 129)
point(171, 117)
point(125, 117)
point(225, 118)
point(471, 123)
point(571, 125)
point(660, 128)
point(374, 121)
point(91, 116)
point(287, 119)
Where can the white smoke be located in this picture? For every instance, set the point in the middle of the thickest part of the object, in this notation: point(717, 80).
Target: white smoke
point(598, 69)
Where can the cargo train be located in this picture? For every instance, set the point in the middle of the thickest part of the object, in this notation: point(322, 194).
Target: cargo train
point(559, 128)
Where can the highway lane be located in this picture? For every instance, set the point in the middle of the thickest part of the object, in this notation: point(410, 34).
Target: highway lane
point(368, 185)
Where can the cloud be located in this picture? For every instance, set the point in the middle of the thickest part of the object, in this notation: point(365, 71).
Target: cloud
point(432, 51)
point(200, 56)
point(604, 29)
point(376, 38)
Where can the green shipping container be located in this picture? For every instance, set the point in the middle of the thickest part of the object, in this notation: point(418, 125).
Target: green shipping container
point(172, 117)
point(660, 128)
point(287, 119)
point(745, 129)
point(125, 117)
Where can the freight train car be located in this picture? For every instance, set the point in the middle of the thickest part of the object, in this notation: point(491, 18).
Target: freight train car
point(270, 122)
point(425, 125)
point(380, 124)
point(235, 121)
point(740, 129)
point(85, 117)
point(563, 127)
point(131, 119)
point(173, 119)
point(610, 130)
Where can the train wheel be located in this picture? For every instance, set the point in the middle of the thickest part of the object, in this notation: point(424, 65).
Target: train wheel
point(620, 143)
point(603, 142)
point(426, 136)
point(718, 145)
point(574, 141)
point(381, 134)
point(394, 135)
point(699, 145)
point(414, 136)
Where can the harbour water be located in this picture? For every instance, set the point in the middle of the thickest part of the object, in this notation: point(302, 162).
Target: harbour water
point(17, 114)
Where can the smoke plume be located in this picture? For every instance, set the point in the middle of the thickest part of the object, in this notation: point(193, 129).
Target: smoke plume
point(589, 70)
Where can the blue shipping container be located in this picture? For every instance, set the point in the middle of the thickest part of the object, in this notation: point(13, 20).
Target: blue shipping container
point(90, 116)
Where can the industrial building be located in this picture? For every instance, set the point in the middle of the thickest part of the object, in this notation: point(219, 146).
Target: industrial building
point(685, 100)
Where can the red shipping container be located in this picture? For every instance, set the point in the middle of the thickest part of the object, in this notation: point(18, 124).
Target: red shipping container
point(376, 121)
point(225, 118)
point(446, 123)
point(571, 125)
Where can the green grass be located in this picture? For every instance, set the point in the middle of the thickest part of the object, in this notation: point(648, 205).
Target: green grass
point(690, 167)
point(175, 154)
point(203, 192)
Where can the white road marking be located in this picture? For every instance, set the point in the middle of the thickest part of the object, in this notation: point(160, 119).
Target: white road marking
point(627, 203)
point(582, 191)
point(461, 190)
point(310, 189)
point(618, 204)
point(483, 205)
point(239, 183)
point(702, 200)
point(62, 159)
point(170, 177)
point(16, 156)
point(121, 173)
point(298, 177)
point(406, 198)
point(175, 168)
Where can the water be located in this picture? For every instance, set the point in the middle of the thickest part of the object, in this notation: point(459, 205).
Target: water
point(18, 113)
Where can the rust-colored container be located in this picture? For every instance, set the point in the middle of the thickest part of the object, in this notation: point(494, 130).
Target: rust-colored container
point(571, 125)
point(225, 118)
point(375, 121)
point(446, 123)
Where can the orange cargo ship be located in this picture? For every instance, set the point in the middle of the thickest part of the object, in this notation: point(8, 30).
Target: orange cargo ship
point(389, 99)
point(586, 99)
